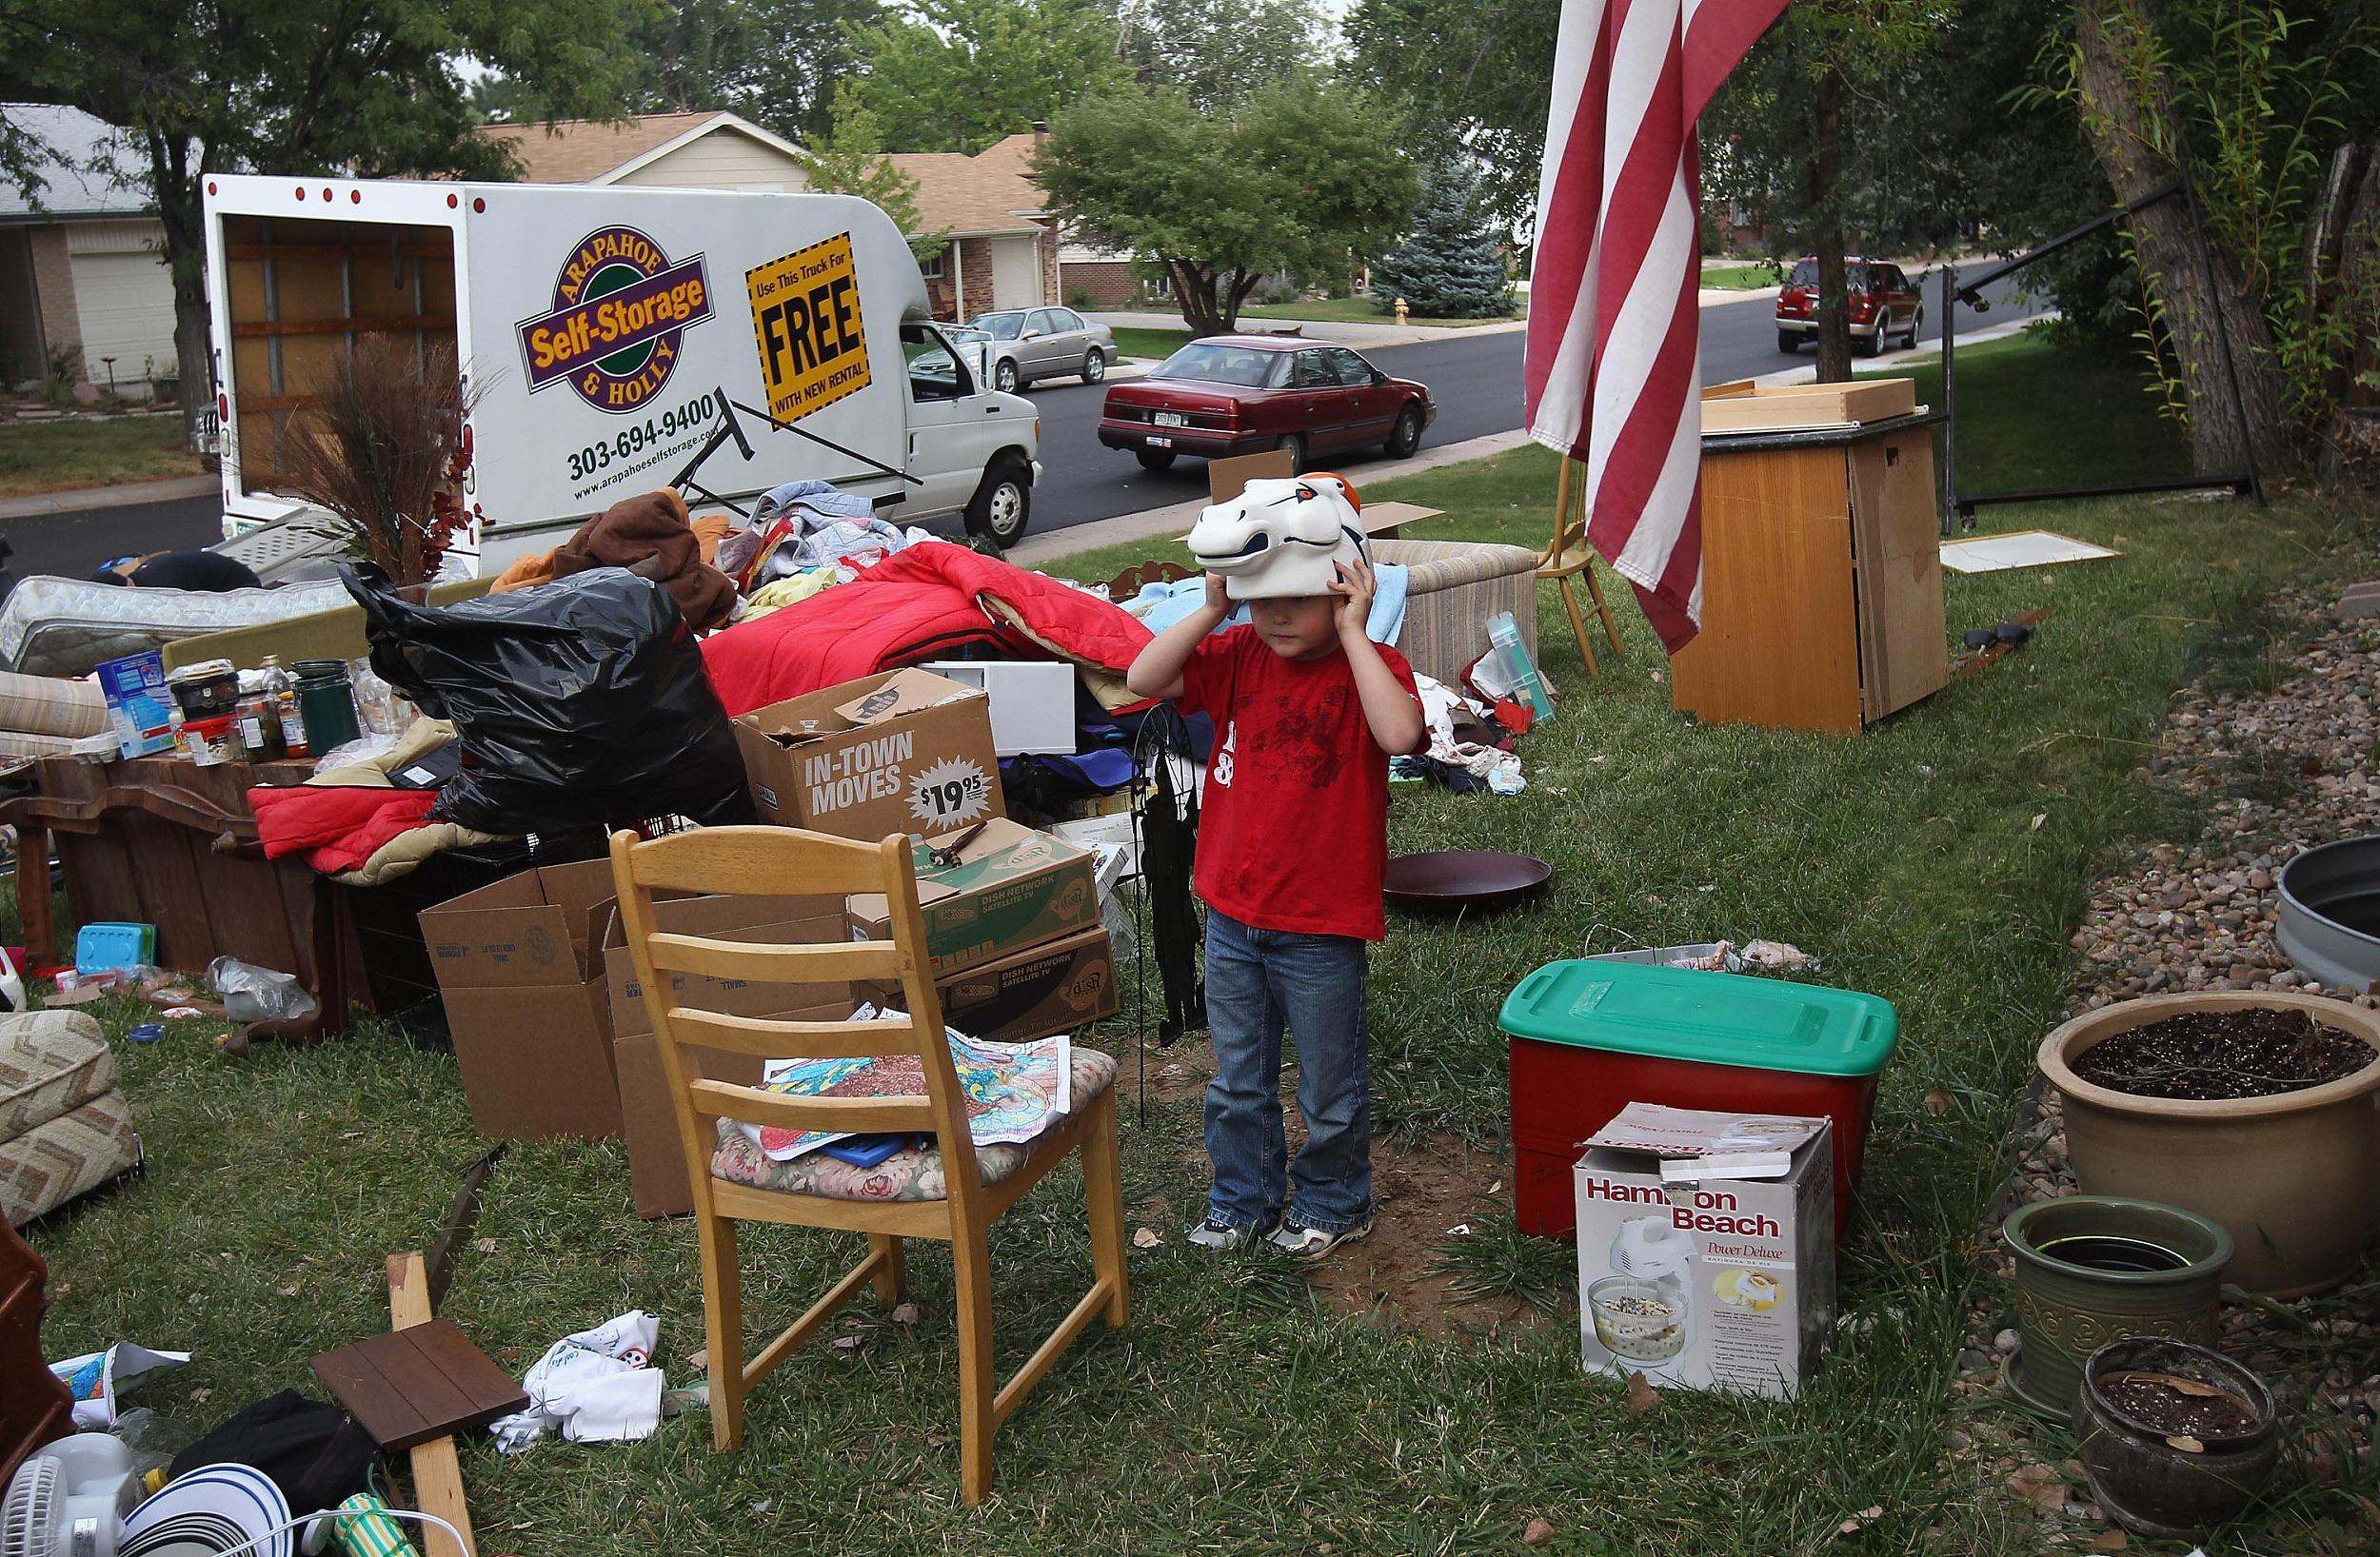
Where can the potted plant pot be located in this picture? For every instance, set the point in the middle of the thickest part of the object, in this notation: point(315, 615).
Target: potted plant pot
point(2291, 1176)
point(2176, 1439)
point(2095, 1269)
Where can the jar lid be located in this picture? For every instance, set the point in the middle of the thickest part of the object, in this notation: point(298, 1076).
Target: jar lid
point(322, 667)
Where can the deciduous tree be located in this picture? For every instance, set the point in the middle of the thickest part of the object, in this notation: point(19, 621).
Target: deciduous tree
point(956, 75)
point(850, 160)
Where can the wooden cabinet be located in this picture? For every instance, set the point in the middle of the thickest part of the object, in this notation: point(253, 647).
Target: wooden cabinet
point(1822, 578)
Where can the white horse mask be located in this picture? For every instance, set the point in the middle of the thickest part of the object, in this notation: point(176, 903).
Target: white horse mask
point(1282, 536)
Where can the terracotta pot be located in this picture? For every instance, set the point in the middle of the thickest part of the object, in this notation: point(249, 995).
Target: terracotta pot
point(2294, 1178)
point(2139, 1475)
point(2068, 1305)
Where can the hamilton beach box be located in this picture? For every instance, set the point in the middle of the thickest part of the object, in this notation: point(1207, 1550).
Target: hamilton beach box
point(649, 1117)
point(520, 968)
point(903, 752)
point(1012, 888)
point(1060, 987)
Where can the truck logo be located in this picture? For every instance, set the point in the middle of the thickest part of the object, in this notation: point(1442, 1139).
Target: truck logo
point(620, 315)
point(807, 325)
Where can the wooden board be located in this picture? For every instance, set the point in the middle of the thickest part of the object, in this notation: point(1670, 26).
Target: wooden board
point(1896, 538)
point(1779, 645)
point(437, 1469)
point(420, 1383)
point(1744, 406)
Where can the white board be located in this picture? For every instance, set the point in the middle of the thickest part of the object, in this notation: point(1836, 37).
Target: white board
point(2024, 549)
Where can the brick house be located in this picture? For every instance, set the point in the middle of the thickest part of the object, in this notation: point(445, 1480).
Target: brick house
point(1003, 247)
point(82, 269)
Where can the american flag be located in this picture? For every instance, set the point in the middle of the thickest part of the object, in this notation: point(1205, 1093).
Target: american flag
point(1613, 369)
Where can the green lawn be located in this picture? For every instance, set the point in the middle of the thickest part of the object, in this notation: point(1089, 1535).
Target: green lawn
point(60, 456)
point(1365, 310)
point(1939, 860)
point(1155, 345)
point(1741, 278)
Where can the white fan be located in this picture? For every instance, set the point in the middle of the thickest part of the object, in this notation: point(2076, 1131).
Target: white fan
point(69, 1499)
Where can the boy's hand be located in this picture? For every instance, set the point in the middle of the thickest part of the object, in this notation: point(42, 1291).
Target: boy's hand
point(1354, 587)
point(1217, 596)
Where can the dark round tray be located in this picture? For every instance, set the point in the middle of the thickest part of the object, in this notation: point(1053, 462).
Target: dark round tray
point(1453, 879)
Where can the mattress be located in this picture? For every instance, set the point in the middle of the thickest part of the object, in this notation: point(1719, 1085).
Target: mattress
point(52, 626)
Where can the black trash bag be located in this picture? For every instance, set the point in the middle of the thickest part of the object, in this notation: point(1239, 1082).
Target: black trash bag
point(312, 1450)
point(578, 702)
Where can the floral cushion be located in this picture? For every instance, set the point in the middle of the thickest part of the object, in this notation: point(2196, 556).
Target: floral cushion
point(912, 1174)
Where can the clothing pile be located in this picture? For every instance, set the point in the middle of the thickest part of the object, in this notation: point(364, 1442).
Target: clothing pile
point(1471, 744)
point(805, 536)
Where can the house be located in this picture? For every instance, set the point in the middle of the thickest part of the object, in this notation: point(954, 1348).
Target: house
point(1004, 248)
point(678, 150)
point(83, 281)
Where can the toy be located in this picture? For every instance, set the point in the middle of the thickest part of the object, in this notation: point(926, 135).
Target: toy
point(1283, 536)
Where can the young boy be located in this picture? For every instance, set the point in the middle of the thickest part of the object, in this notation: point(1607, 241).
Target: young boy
point(1293, 842)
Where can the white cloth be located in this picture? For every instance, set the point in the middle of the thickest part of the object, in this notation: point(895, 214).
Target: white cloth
point(598, 1387)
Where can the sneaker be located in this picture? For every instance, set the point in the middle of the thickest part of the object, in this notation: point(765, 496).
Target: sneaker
point(1220, 1235)
point(1307, 1243)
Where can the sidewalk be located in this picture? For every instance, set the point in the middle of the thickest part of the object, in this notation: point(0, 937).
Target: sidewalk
point(81, 498)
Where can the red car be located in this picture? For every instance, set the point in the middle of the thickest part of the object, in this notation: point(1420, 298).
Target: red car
point(1240, 394)
point(1884, 303)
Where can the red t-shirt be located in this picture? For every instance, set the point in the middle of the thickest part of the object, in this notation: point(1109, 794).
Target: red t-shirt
point(1293, 828)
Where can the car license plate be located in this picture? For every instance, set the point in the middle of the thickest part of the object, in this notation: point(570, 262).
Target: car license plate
point(1170, 419)
point(1161, 442)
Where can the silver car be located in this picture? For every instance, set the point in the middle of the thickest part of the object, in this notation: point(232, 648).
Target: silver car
point(1025, 344)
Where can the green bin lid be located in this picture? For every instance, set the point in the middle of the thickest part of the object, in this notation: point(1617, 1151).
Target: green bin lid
point(1711, 1019)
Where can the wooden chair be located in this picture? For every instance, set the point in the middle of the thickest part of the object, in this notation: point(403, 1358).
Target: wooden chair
point(1570, 555)
point(760, 862)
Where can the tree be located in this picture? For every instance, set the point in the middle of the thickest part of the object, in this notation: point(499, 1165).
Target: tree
point(1298, 175)
point(367, 87)
point(852, 160)
point(1451, 265)
point(1217, 54)
point(1479, 76)
point(956, 75)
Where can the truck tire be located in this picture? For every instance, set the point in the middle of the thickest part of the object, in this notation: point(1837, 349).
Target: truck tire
point(1789, 342)
point(1155, 458)
point(1004, 504)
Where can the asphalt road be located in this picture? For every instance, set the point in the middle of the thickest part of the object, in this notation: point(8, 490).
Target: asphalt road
point(1475, 379)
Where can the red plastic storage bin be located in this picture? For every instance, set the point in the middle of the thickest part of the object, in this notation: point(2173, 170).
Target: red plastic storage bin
point(1589, 1037)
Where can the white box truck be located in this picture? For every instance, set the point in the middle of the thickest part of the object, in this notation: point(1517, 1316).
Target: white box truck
point(611, 335)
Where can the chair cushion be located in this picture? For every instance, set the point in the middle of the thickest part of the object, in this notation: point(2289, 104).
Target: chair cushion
point(912, 1174)
point(51, 1062)
point(69, 1156)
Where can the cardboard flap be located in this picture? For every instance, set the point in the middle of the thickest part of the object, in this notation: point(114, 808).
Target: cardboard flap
point(902, 692)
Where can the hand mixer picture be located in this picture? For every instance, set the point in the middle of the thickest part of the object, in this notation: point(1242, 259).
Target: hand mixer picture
point(1644, 1313)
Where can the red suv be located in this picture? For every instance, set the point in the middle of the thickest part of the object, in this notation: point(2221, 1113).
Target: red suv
point(1884, 303)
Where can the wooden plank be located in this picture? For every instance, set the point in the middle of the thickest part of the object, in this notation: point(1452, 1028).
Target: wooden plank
point(1896, 535)
point(1781, 406)
point(364, 324)
point(857, 1115)
point(491, 1392)
point(756, 963)
point(378, 1403)
point(437, 1473)
point(1779, 643)
point(365, 252)
point(172, 890)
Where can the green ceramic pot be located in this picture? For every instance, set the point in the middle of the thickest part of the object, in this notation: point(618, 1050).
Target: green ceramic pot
point(2092, 1269)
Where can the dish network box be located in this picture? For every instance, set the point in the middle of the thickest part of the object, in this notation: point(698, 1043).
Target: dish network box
point(1589, 1037)
point(1696, 1278)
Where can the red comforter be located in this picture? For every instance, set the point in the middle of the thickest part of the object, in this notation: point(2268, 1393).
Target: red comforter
point(917, 605)
point(337, 829)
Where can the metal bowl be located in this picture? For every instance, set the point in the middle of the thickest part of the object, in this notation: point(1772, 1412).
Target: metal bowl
point(1447, 879)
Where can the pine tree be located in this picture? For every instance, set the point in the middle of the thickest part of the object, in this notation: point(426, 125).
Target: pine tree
point(1449, 265)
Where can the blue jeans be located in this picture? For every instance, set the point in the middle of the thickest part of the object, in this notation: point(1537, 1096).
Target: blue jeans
point(1256, 979)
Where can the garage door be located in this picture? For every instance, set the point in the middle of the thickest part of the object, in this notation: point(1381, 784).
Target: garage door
point(125, 302)
point(1015, 272)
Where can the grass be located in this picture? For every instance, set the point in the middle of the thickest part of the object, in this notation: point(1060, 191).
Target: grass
point(1741, 278)
point(1365, 310)
point(1236, 1414)
point(1155, 345)
point(38, 457)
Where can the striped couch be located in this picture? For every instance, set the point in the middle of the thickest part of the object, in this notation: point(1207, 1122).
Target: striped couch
point(65, 1128)
point(1455, 586)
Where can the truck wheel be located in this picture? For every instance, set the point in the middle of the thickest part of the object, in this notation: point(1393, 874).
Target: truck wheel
point(1003, 504)
point(1094, 366)
point(1153, 458)
point(1406, 436)
point(1876, 343)
point(1004, 378)
point(1789, 343)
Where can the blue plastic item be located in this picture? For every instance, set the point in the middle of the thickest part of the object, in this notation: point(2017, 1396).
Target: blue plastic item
point(101, 948)
point(864, 1151)
point(147, 1032)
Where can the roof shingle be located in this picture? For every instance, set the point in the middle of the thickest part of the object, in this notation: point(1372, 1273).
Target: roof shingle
point(989, 192)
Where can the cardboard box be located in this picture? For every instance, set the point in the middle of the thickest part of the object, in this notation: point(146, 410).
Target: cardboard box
point(1013, 888)
point(1710, 1283)
point(1032, 701)
point(520, 967)
point(648, 1117)
point(1058, 988)
point(140, 708)
point(905, 751)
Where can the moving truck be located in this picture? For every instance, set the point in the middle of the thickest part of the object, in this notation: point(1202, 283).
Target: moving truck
point(611, 336)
